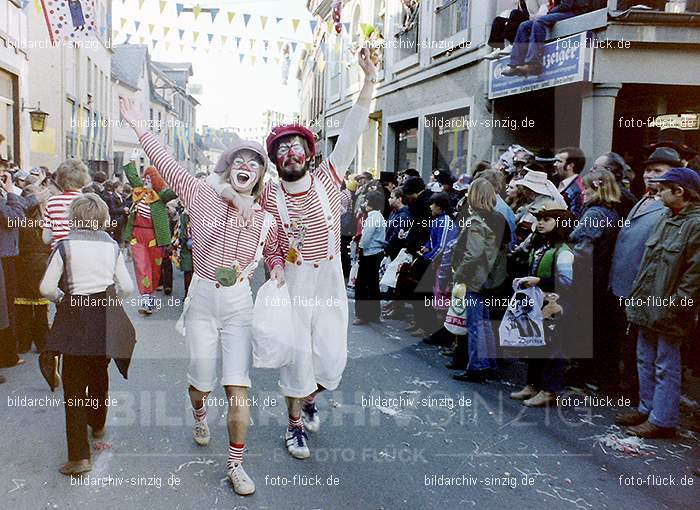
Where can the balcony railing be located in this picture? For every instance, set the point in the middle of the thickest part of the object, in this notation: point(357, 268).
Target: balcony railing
point(672, 6)
point(452, 17)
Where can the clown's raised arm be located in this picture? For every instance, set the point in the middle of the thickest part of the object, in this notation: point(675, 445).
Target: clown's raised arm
point(184, 184)
point(356, 121)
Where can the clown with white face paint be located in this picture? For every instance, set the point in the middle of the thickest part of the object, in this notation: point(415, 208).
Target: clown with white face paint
point(306, 207)
point(218, 308)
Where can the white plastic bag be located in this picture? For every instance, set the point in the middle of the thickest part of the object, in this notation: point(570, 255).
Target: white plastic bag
point(456, 317)
point(273, 328)
point(352, 277)
point(391, 272)
point(523, 323)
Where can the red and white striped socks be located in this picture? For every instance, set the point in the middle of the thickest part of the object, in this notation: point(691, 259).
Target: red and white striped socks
point(235, 454)
point(309, 401)
point(295, 423)
point(200, 414)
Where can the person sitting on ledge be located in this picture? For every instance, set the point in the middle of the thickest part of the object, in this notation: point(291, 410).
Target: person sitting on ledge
point(528, 47)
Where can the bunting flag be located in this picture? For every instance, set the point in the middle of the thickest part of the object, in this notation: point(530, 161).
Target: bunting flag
point(179, 8)
point(231, 16)
point(128, 38)
point(137, 24)
point(241, 57)
point(279, 45)
point(278, 20)
point(253, 59)
point(329, 27)
point(210, 37)
point(321, 65)
point(167, 45)
point(166, 31)
point(141, 4)
point(195, 36)
point(163, 5)
point(265, 59)
point(151, 28)
point(197, 10)
point(224, 39)
point(313, 24)
point(263, 21)
point(346, 26)
point(295, 24)
point(246, 19)
point(154, 41)
point(214, 13)
point(238, 42)
point(123, 22)
point(294, 47)
point(182, 33)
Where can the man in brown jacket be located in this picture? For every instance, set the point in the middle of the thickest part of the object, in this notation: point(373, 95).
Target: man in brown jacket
point(664, 304)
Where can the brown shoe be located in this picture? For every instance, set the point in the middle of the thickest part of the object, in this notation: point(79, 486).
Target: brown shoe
point(542, 399)
point(48, 365)
point(77, 467)
point(527, 392)
point(630, 418)
point(648, 430)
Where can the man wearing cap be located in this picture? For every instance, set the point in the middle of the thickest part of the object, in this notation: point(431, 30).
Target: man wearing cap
point(664, 304)
point(630, 245)
point(307, 208)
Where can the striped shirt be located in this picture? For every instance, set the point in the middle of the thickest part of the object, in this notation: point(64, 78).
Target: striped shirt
point(306, 206)
point(143, 210)
point(218, 239)
point(56, 215)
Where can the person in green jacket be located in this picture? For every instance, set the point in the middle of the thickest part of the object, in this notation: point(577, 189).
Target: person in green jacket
point(664, 304)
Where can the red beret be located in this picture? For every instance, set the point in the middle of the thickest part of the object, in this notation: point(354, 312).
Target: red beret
point(290, 130)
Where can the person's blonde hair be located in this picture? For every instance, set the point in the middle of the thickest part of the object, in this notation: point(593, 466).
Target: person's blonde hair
point(482, 195)
point(72, 174)
point(603, 186)
point(89, 212)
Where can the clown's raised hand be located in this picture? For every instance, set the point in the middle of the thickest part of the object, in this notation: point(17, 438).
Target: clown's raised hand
point(370, 70)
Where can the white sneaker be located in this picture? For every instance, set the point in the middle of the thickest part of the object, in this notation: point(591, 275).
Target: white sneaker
point(295, 440)
point(505, 51)
point(309, 415)
point(242, 483)
point(200, 432)
point(493, 55)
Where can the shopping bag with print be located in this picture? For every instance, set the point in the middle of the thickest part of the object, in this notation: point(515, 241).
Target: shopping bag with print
point(523, 323)
point(456, 318)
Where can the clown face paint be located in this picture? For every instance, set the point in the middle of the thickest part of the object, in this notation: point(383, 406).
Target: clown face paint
point(291, 158)
point(245, 172)
point(147, 183)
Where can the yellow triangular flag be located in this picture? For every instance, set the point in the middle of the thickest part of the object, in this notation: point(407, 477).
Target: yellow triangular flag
point(263, 21)
point(253, 58)
point(307, 46)
point(166, 31)
point(321, 65)
point(252, 43)
point(141, 4)
point(142, 40)
point(295, 24)
point(151, 27)
point(197, 9)
point(195, 36)
point(337, 47)
point(329, 25)
point(124, 20)
point(279, 45)
point(224, 40)
point(231, 16)
point(163, 5)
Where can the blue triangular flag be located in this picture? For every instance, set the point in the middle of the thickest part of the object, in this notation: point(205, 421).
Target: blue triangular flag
point(265, 59)
point(179, 8)
point(182, 33)
point(214, 14)
point(346, 26)
point(241, 57)
point(211, 37)
point(154, 41)
point(137, 24)
point(313, 24)
point(278, 20)
point(128, 37)
point(246, 19)
point(294, 47)
point(238, 42)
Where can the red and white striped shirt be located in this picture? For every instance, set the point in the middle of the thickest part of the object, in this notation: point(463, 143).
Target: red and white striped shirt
point(56, 215)
point(218, 238)
point(143, 210)
point(307, 206)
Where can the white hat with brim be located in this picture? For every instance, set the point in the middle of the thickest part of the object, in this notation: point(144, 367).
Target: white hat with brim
point(538, 182)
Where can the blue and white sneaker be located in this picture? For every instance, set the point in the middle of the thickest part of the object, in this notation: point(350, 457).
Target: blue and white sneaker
point(309, 415)
point(295, 440)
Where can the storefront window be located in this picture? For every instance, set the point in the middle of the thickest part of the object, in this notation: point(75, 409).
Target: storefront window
point(450, 133)
point(7, 120)
point(407, 145)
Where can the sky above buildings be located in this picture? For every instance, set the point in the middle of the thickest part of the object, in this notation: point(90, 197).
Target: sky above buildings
point(235, 93)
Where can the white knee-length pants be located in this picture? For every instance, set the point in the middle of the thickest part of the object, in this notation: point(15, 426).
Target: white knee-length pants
point(320, 310)
point(216, 315)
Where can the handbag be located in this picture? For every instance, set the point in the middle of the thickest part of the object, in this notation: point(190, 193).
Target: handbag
point(273, 335)
point(523, 322)
point(456, 318)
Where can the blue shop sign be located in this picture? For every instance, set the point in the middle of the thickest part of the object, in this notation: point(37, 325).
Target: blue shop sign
point(566, 60)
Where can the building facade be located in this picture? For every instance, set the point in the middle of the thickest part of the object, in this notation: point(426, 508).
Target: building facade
point(72, 83)
point(440, 104)
point(14, 83)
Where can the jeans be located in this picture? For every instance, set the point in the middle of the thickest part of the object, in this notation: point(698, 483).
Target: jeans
point(481, 340)
point(659, 369)
point(529, 41)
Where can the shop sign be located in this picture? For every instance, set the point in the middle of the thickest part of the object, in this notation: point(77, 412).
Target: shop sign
point(566, 60)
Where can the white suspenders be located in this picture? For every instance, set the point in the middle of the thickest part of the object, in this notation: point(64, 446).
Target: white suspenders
point(325, 206)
